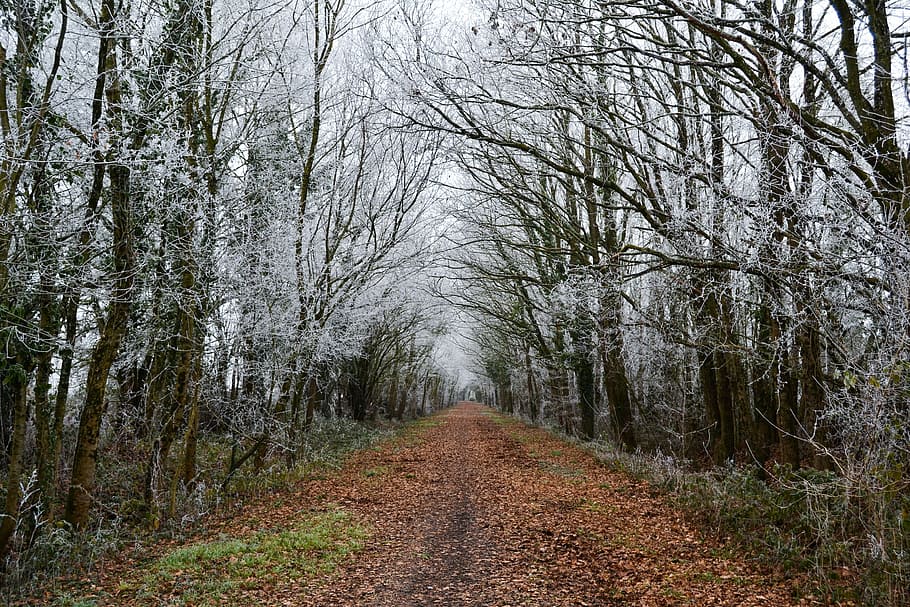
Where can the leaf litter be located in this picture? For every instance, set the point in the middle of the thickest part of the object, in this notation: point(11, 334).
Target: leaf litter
point(472, 509)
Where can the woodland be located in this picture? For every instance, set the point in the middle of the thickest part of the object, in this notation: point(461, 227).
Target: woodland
point(232, 231)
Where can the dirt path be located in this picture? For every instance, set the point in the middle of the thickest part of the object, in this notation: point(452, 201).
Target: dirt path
point(470, 508)
point(485, 511)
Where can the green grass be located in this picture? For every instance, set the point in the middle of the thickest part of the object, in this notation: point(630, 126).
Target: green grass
point(428, 422)
point(673, 593)
point(503, 420)
point(707, 576)
point(210, 573)
point(414, 433)
point(324, 448)
point(376, 471)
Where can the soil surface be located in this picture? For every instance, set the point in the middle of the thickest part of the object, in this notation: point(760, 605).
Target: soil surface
point(476, 509)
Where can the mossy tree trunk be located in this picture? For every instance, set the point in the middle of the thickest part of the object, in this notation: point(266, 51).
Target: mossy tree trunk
point(82, 482)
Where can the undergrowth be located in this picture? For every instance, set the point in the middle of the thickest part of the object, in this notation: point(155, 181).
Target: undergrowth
point(43, 555)
point(848, 536)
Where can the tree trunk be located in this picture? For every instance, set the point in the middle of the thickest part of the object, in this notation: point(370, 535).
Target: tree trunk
point(812, 393)
point(584, 378)
point(765, 373)
point(46, 436)
point(533, 404)
point(14, 390)
point(392, 406)
point(311, 401)
point(423, 395)
point(616, 386)
point(82, 483)
point(707, 377)
point(70, 315)
point(557, 386)
point(725, 445)
point(191, 439)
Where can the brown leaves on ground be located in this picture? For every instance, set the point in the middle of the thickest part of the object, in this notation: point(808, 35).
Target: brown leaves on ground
point(471, 509)
point(485, 511)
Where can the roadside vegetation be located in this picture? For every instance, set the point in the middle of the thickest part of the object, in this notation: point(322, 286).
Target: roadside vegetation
point(810, 525)
point(57, 559)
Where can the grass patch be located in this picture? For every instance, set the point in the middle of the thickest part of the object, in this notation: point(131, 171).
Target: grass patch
point(415, 432)
point(673, 593)
point(377, 471)
point(500, 419)
point(428, 422)
point(45, 565)
point(213, 572)
point(520, 438)
point(707, 577)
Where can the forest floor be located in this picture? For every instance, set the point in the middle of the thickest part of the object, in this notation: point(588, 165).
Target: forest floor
point(466, 508)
